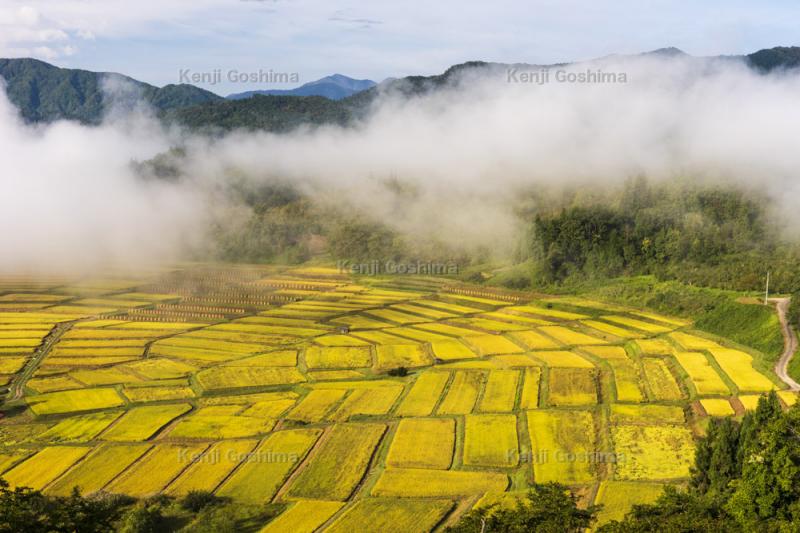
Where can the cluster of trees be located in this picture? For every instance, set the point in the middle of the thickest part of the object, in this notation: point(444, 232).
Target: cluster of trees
point(746, 477)
point(45, 93)
point(705, 235)
point(24, 510)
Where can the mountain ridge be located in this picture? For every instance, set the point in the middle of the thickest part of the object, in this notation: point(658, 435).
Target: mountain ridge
point(45, 92)
point(334, 87)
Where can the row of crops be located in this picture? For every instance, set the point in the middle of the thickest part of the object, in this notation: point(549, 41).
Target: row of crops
point(395, 403)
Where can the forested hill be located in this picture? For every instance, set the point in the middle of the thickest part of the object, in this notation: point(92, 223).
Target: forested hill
point(44, 93)
point(273, 113)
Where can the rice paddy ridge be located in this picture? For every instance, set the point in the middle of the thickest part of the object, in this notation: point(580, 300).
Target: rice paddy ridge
point(497, 392)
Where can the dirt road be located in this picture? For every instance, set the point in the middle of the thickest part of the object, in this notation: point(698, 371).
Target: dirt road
point(790, 344)
point(17, 386)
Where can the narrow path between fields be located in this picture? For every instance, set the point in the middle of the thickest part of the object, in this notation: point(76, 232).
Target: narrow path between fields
point(18, 385)
point(790, 344)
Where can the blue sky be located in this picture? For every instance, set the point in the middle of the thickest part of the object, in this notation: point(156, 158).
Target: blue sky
point(155, 40)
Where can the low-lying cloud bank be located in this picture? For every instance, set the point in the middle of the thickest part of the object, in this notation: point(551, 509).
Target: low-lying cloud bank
point(68, 195)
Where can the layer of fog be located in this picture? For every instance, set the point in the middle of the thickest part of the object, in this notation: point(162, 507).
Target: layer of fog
point(463, 155)
point(69, 199)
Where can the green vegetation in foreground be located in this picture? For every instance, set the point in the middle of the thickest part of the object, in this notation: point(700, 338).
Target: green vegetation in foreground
point(548, 507)
point(27, 510)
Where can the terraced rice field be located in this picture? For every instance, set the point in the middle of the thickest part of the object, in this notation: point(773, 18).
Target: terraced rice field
point(491, 440)
point(355, 404)
point(423, 443)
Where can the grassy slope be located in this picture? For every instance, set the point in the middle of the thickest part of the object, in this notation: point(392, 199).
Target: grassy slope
point(713, 310)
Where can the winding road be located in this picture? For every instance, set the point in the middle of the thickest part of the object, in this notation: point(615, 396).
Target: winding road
point(790, 344)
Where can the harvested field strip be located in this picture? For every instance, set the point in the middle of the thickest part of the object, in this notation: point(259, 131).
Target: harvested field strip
point(505, 316)
point(500, 393)
point(489, 325)
point(447, 329)
point(534, 340)
point(462, 394)
point(451, 350)
point(370, 401)
point(29, 342)
point(616, 331)
point(200, 425)
point(618, 497)
point(42, 385)
point(395, 356)
point(11, 365)
point(74, 401)
point(426, 312)
point(157, 394)
point(361, 322)
point(546, 312)
point(419, 483)
point(193, 354)
point(153, 368)
point(339, 464)
point(572, 387)
point(150, 474)
point(418, 335)
point(79, 428)
point(102, 343)
point(563, 359)
point(67, 362)
point(229, 378)
point(738, 366)
point(316, 405)
point(652, 452)
point(98, 469)
point(378, 514)
point(647, 414)
point(626, 380)
point(340, 340)
point(449, 307)
point(570, 337)
point(423, 443)
point(45, 466)
point(382, 337)
point(493, 345)
point(96, 352)
point(338, 357)
point(749, 401)
point(397, 317)
point(210, 344)
point(692, 342)
point(648, 327)
point(304, 516)
point(717, 407)
point(558, 434)
point(141, 423)
point(661, 381)
point(211, 469)
point(530, 388)
point(491, 440)
point(104, 376)
point(701, 373)
point(424, 394)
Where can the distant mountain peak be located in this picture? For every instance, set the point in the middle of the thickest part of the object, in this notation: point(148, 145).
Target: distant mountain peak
point(668, 51)
point(335, 87)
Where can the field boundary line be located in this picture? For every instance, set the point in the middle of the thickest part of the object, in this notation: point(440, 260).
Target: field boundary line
point(32, 365)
